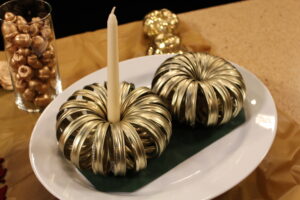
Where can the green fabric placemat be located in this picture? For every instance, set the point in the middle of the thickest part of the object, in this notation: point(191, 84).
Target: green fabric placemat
point(184, 143)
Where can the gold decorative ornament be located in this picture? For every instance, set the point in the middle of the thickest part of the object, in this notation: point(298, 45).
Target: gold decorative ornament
point(160, 26)
point(89, 141)
point(200, 88)
point(160, 21)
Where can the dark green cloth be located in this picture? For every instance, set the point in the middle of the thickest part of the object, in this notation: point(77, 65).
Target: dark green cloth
point(184, 143)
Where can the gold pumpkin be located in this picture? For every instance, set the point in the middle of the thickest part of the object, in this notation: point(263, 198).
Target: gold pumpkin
point(200, 88)
point(89, 141)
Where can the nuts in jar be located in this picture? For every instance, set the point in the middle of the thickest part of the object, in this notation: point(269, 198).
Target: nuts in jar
point(28, 43)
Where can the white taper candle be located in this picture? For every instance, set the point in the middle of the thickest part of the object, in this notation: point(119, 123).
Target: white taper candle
point(113, 87)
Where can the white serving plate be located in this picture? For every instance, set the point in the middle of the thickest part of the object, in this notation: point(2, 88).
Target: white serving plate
point(205, 175)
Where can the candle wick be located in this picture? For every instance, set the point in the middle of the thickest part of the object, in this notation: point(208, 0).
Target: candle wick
point(113, 10)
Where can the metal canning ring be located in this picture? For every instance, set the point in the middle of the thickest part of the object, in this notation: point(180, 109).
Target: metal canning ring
point(200, 88)
point(89, 141)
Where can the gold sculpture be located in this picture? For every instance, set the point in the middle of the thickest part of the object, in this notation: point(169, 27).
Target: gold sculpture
point(200, 88)
point(89, 141)
point(160, 26)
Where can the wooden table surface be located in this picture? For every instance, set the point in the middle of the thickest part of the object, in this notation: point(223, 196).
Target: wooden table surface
point(263, 36)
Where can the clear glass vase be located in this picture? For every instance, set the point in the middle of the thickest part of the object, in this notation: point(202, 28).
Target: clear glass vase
point(29, 43)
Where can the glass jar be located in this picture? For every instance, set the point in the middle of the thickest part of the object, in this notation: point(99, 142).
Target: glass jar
point(29, 39)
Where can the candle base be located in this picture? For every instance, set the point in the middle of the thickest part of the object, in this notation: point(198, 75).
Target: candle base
point(90, 141)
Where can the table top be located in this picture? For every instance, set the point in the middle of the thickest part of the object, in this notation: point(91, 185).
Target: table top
point(262, 36)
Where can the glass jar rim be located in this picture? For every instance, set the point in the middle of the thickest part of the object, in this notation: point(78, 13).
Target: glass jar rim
point(41, 1)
